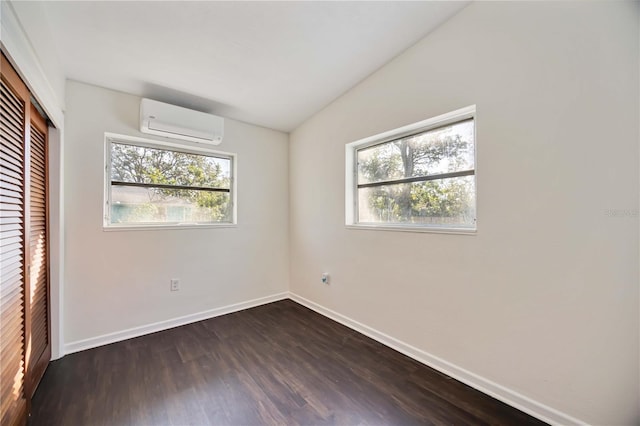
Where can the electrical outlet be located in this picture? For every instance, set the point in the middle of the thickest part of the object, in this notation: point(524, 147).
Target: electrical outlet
point(175, 285)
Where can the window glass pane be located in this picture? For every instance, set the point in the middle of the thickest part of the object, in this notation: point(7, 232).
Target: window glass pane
point(441, 202)
point(138, 164)
point(442, 150)
point(135, 205)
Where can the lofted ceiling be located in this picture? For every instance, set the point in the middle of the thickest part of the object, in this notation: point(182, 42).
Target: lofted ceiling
point(273, 64)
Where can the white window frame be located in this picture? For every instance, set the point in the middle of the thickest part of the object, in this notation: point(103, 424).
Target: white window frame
point(351, 172)
point(190, 148)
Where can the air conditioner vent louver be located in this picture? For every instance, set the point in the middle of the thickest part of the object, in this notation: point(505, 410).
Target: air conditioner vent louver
point(175, 122)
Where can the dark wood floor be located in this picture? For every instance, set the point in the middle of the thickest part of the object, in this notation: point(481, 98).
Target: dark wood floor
point(275, 364)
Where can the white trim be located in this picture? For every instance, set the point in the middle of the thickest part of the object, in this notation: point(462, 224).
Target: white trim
point(351, 170)
point(420, 126)
point(56, 240)
point(486, 386)
point(20, 52)
point(402, 228)
point(105, 339)
point(181, 146)
point(153, 227)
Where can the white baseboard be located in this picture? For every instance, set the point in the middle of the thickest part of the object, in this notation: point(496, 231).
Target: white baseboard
point(497, 391)
point(105, 339)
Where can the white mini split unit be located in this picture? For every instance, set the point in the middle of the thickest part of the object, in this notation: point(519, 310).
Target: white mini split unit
point(170, 121)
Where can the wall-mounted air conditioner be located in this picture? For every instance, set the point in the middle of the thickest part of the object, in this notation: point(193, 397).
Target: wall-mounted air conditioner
point(170, 121)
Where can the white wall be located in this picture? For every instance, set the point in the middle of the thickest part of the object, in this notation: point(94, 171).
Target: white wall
point(29, 47)
point(26, 37)
point(544, 299)
point(118, 280)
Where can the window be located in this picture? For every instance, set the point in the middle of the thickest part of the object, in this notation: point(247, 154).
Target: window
point(153, 184)
point(419, 177)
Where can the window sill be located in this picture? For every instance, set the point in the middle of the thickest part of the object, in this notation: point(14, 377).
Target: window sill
point(418, 229)
point(116, 228)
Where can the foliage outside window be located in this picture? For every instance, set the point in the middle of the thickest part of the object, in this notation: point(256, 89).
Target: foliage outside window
point(422, 177)
point(151, 185)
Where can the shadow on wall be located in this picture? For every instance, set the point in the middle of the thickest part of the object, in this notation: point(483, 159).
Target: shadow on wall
point(186, 100)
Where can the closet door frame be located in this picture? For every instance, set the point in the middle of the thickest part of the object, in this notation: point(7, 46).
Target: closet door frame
point(33, 368)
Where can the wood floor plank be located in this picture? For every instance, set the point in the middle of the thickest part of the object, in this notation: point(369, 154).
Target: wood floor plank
point(276, 364)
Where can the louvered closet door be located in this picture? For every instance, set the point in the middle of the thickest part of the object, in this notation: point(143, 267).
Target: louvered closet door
point(38, 342)
point(14, 115)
